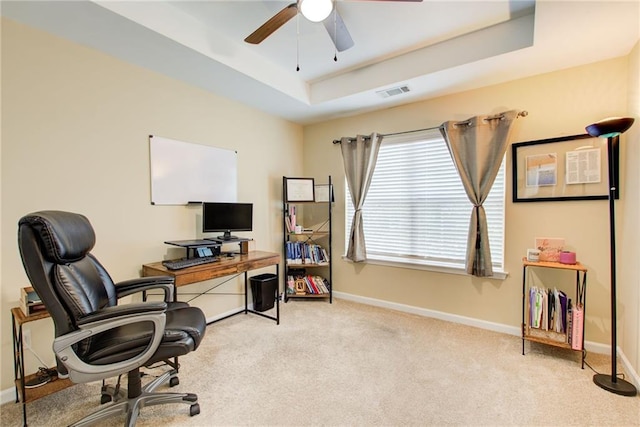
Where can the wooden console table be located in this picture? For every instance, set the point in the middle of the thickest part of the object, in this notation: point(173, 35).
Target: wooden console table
point(240, 263)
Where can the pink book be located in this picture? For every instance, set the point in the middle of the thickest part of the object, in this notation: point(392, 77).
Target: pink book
point(577, 325)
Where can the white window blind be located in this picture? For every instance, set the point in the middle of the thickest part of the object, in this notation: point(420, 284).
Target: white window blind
point(417, 210)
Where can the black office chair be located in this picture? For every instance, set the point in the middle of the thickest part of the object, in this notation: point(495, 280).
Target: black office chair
point(97, 339)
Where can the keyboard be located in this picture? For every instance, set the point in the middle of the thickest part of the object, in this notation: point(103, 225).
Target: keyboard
point(179, 264)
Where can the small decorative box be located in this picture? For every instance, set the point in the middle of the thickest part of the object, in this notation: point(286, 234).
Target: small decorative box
point(567, 257)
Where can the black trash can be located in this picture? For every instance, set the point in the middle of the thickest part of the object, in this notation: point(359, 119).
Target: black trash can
point(263, 289)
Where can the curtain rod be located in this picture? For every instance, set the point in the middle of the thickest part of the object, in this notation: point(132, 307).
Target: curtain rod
point(523, 113)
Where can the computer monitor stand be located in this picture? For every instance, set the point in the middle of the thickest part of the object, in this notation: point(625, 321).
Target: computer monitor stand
point(227, 236)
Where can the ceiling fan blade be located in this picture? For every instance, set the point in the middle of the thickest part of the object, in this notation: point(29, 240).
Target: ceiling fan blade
point(338, 31)
point(269, 27)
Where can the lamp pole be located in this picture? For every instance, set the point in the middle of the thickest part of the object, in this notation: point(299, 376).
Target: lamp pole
point(611, 129)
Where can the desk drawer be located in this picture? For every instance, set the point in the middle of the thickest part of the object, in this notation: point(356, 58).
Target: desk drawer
point(196, 274)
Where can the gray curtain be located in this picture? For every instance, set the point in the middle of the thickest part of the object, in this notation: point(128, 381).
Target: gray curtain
point(359, 156)
point(477, 147)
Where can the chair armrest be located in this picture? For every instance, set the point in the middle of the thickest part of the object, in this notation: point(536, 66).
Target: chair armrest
point(132, 286)
point(122, 310)
point(101, 321)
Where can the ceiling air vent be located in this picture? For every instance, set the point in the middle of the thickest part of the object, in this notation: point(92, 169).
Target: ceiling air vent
point(393, 91)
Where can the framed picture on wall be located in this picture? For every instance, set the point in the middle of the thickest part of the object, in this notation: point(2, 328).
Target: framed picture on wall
point(561, 169)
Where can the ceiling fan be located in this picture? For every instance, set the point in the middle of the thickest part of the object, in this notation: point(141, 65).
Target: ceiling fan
point(314, 11)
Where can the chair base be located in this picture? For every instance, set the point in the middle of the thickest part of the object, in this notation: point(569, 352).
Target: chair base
point(131, 406)
point(110, 393)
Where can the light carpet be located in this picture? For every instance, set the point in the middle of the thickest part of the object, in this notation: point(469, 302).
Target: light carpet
point(347, 364)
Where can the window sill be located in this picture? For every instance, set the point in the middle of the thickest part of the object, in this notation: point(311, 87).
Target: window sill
point(440, 267)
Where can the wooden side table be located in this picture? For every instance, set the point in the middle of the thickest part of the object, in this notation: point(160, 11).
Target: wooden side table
point(23, 394)
point(579, 297)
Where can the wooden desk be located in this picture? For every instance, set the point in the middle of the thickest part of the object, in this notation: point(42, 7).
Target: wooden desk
point(240, 263)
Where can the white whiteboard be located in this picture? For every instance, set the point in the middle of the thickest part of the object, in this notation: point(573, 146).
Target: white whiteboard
point(182, 172)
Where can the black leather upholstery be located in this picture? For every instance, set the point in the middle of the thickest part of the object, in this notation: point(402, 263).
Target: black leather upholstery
point(80, 295)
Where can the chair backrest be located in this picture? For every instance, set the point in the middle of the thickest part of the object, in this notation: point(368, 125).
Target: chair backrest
point(55, 249)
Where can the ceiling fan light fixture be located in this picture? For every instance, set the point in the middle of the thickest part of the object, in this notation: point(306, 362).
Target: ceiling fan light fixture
point(315, 10)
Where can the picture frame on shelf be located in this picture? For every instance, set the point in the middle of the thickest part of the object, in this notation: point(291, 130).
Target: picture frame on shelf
point(300, 190)
point(324, 193)
point(562, 169)
point(300, 286)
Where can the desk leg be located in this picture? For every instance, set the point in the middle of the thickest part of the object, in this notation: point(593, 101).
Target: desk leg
point(246, 292)
point(246, 300)
point(277, 294)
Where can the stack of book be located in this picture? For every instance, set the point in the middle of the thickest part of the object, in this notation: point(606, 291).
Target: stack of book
point(306, 253)
point(554, 315)
point(290, 219)
point(30, 302)
point(314, 285)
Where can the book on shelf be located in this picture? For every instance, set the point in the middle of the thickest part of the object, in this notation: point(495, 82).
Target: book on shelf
point(577, 326)
point(306, 253)
point(312, 288)
point(569, 321)
point(549, 310)
point(322, 284)
point(291, 285)
point(30, 302)
point(314, 285)
point(290, 219)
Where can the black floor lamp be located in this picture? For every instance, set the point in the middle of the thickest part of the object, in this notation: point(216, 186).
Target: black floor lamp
point(611, 129)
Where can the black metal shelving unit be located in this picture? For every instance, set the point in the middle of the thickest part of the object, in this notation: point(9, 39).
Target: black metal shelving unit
point(319, 214)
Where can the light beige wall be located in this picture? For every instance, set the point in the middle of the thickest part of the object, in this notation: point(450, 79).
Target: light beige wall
point(75, 126)
point(559, 103)
point(629, 227)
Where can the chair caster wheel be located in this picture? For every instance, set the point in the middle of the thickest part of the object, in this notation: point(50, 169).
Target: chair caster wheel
point(194, 409)
point(105, 398)
point(174, 381)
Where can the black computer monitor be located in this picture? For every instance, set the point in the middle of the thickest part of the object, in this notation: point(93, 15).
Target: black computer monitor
point(226, 218)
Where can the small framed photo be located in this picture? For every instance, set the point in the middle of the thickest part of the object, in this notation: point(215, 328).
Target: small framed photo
point(562, 169)
point(300, 190)
point(324, 193)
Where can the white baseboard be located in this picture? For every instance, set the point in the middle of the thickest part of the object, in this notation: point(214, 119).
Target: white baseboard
point(8, 395)
point(590, 346)
point(496, 327)
point(633, 376)
point(227, 314)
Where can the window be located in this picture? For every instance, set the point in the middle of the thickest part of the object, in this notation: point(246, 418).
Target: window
point(417, 211)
